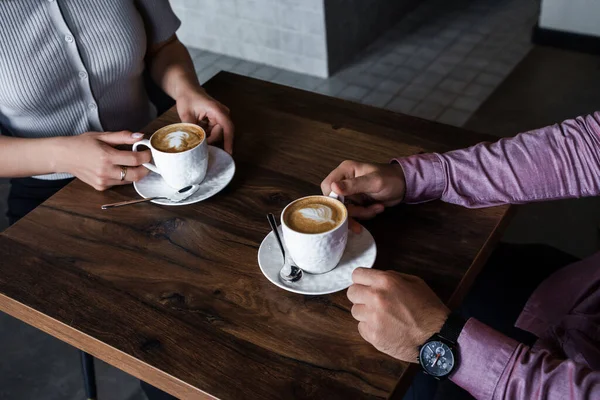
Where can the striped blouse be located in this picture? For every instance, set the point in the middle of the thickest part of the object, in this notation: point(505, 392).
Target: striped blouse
point(72, 66)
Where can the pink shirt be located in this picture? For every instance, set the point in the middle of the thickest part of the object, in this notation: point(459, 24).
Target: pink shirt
point(556, 162)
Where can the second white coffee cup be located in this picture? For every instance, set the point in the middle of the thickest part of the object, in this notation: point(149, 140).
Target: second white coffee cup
point(320, 252)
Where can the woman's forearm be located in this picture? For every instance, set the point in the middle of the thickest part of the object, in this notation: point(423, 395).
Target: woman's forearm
point(27, 157)
point(172, 68)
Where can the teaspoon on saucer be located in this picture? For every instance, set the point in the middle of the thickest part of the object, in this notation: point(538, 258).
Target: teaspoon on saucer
point(181, 195)
point(289, 272)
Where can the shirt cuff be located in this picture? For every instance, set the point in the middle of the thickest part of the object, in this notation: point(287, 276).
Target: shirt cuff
point(424, 176)
point(483, 355)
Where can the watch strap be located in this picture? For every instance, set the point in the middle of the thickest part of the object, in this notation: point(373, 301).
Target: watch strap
point(453, 327)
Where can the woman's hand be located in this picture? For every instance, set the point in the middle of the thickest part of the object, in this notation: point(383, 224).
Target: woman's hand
point(197, 107)
point(93, 158)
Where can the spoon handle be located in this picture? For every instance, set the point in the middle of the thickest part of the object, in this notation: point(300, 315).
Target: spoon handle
point(128, 202)
point(273, 224)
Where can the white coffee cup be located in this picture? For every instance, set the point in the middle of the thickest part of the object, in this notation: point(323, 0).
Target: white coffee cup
point(316, 253)
point(178, 169)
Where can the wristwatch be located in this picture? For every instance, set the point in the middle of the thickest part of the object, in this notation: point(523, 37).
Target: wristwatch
point(439, 356)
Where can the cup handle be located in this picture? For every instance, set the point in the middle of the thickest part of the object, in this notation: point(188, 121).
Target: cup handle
point(146, 142)
point(337, 196)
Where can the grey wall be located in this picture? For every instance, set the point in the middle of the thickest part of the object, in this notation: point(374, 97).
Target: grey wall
point(354, 24)
point(288, 34)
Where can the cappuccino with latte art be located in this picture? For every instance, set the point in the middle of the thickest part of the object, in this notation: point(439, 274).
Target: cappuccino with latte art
point(315, 214)
point(315, 231)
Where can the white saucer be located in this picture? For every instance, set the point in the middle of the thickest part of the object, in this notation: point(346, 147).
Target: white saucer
point(361, 251)
point(221, 169)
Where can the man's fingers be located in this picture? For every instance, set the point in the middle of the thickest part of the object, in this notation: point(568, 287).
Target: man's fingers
point(345, 170)
point(359, 312)
point(369, 183)
point(122, 137)
point(368, 212)
point(358, 294)
point(354, 226)
point(367, 276)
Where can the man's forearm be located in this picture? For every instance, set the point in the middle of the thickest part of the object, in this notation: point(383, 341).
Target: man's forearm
point(27, 157)
point(172, 68)
point(493, 366)
point(556, 162)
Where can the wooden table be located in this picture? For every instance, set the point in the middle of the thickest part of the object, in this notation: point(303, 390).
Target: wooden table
point(174, 295)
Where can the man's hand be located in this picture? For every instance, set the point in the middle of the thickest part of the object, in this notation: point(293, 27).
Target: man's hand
point(397, 313)
point(370, 187)
point(197, 107)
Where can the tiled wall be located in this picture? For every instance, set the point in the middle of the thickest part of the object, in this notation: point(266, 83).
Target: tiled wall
point(354, 24)
point(288, 34)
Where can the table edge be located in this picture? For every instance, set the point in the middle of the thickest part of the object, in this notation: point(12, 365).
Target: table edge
point(100, 350)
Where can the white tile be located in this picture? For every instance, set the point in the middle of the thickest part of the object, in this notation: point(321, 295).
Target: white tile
point(245, 68)
point(464, 74)
point(381, 69)
point(440, 68)
point(441, 97)
point(453, 85)
point(427, 53)
point(377, 98)
point(401, 105)
point(478, 91)
point(470, 104)
point(499, 67)
point(475, 62)
point(353, 92)
point(454, 117)
point(471, 37)
point(313, 23)
point(427, 110)
point(403, 74)
point(291, 42)
point(287, 78)
point(289, 18)
point(415, 92)
point(428, 79)
point(405, 48)
point(367, 80)
point(417, 63)
point(308, 82)
point(226, 63)
point(313, 46)
point(265, 73)
point(390, 86)
point(393, 59)
point(331, 87)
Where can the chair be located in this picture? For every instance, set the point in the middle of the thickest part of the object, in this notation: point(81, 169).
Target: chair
point(162, 102)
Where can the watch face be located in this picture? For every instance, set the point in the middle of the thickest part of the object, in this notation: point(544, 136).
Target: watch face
point(437, 358)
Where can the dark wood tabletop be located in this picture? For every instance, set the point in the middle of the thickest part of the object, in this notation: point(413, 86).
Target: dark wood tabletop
point(174, 295)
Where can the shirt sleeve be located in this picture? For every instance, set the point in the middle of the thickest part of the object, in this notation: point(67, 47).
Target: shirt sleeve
point(160, 20)
point(555, 162)
point(493, 366)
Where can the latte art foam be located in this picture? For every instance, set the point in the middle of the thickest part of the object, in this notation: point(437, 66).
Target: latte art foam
point(321, 214)
point(177, 138)
point(315, 214)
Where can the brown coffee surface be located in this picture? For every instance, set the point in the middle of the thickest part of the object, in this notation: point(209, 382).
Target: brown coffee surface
point(177, 138)
point(315, 214)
